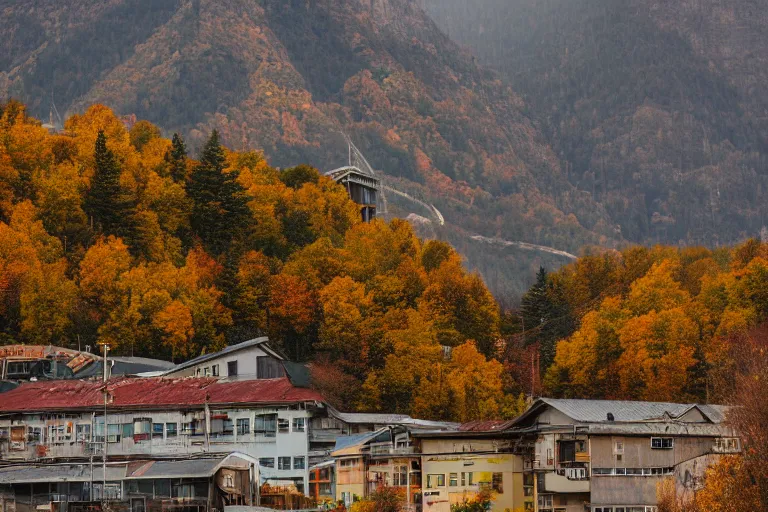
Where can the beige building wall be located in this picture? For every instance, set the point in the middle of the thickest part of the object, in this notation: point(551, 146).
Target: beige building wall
point(350, 479)
point(464, 473)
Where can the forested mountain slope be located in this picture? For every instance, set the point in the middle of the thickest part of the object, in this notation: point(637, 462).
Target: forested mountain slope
point(656, 108)
point(116, 236)
point(288, 76)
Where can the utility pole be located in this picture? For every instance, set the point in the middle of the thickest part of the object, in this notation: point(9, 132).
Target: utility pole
point(105, 364)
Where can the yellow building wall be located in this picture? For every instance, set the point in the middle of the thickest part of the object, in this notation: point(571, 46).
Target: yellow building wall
point(482, 466)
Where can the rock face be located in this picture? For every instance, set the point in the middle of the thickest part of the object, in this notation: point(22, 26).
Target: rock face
point(287, 76)
point(655, 108)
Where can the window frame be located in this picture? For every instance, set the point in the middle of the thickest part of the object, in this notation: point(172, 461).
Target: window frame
point(284, 463)
point(662, 443)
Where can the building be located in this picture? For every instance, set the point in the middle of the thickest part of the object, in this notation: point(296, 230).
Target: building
point(322, 482)
point(609, 456)
point(364, 188)
point(47, 422)
point(46, 362)
point(196, 485)
point(457, 465)
point(252, 359)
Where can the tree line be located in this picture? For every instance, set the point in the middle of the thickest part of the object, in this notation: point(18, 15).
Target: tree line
point(117, 235)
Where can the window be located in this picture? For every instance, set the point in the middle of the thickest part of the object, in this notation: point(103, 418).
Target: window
point(545, 501)
point(82, 432)
point(283, 463)
point(215, 370)
point(349, 463)
point(298, 463)
point(267, 462)
point(142, 429)
point(267, 367)
point(243, 426)
point(231, 368)
point(298, 424)
point(453, 480)
point(466, 479)
point(227, 427)
point(283, 425)
point(661, 443)
point(197, 372)
point(113, 433)
point(400, 476)
point(727, 445)
point(498, 483)
point(265, 424)
point(157, 431)
point(163, 487)
point(206, 371)
point(435, 480)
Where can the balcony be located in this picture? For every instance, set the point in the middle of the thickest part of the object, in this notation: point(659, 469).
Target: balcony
point(554, 482)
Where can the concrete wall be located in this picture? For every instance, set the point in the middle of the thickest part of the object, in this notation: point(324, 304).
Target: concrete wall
point(246, 364)
point(639, 454)
point(291, 444)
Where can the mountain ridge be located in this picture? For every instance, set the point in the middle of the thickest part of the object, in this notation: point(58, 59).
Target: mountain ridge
point(287, 77)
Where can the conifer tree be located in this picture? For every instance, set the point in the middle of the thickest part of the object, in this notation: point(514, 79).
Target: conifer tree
point(178, 159)
point(547, 319)
point(220, 212)
point(109, 208)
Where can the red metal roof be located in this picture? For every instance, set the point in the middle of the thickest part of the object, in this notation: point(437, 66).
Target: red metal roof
point(151, 393)
point(485, 425)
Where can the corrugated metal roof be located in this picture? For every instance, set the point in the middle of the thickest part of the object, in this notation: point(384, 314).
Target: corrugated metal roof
point(151, 393)
point(366, 418)
point(227, 350)
point(590, 411)
point(485, 425)
point(190, 468)
point(59, 473)
point(193, 468)
point(663, 429)
point(344, 442)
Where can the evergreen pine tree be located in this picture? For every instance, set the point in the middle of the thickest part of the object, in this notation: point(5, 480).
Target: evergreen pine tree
point(109, 208)
point(220, 212)
point(178, 159)
point(546, 317)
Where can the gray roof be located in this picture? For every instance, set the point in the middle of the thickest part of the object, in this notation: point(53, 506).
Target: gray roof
point(125, 366)
point(58, 473)
point(663, 429)
point(192, 468)
point(592, 411)
point(347, 441)
point(365, 418)
point(227, 350)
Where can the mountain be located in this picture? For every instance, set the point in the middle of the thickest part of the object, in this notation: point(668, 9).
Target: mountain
point(288, 76)
point(656, 108)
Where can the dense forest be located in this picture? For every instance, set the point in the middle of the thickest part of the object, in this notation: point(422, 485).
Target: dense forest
point(120, 236)
point(287, 77)
point(655, 323)
point(654, 108)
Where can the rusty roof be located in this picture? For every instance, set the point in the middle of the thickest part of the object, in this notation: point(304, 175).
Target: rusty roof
point(151, 393)
point(485, 425)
